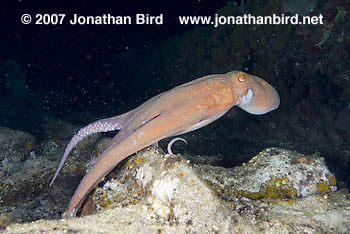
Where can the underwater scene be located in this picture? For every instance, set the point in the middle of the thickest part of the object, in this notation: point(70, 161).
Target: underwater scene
point(226, 116)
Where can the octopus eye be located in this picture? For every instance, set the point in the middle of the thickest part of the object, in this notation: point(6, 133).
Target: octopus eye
point(242, 77)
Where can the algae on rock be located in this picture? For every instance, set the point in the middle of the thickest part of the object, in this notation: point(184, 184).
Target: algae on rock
point(274, 173)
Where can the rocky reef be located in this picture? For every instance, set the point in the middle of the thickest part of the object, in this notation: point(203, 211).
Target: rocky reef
point(26, 168)
point(15, 147)
point(273, 174)
point(277, 191)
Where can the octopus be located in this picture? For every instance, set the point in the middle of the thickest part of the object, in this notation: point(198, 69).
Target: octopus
point(177, 111)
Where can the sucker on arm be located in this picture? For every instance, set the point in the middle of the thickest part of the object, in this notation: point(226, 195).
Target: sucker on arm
point(180, 110)
point(103, 125)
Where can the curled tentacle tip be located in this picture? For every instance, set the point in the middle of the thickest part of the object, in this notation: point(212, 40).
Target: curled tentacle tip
point(172, 142)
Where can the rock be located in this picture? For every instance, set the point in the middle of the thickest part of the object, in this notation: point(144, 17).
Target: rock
point(153, 193)
point(24, 176)
point(15, 147)
point(273, 173)
point(24, 195)
point(166, 192)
